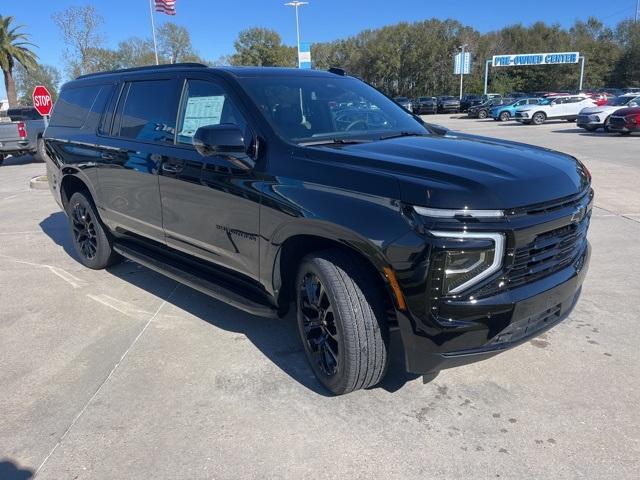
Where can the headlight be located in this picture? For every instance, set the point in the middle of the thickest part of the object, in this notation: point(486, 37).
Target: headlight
point(478, 257)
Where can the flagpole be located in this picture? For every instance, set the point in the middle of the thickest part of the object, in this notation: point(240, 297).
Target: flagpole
point(153, 29)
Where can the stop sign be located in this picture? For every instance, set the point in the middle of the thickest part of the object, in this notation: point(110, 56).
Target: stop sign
point(42, 100)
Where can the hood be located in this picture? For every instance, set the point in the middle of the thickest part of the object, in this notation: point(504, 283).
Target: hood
point(601, 109)
point(473, 172)
point(623, 112)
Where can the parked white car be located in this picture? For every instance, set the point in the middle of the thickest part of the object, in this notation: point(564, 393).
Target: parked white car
point(565, 107)
point(593, 118)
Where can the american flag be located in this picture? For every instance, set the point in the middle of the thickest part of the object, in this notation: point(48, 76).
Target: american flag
point(166, 6)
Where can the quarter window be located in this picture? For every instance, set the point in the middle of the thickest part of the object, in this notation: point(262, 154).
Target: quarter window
point(149, 112)
point(74, 105)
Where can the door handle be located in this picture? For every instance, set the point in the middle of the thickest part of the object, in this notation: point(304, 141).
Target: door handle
point(172, 167)
point(108, 156)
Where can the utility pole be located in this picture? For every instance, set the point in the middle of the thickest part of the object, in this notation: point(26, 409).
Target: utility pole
point(296, 4)
point(462, 47)
point(637, 10)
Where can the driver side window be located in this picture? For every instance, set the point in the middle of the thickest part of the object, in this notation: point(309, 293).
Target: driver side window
point(206, 103)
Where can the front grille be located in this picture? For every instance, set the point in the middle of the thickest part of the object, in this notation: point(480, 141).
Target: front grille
point(618, 122)
point(575, 201)
point(548, 253)
point(584, 119)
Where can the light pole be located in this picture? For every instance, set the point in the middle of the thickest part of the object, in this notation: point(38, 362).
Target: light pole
point(637, 10)
point(297, 5)
point(462, 47)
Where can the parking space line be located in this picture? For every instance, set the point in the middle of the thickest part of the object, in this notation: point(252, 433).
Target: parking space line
point(123, 307)
point(111, 373)
point(72, 280)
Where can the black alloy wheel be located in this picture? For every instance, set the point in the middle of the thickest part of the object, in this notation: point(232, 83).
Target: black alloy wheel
point(319, 325)
point(84, 231)
point(90, 237)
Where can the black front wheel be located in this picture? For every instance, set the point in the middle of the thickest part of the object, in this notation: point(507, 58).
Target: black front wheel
point(90, 238)
point(341, 322)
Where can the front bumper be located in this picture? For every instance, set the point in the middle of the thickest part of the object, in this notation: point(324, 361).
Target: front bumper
point(503, 321)
point(593, 120)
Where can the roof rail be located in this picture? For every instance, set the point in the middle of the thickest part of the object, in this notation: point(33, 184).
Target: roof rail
point(146, 67)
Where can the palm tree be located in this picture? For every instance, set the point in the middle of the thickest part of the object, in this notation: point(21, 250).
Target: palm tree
point(14, 47)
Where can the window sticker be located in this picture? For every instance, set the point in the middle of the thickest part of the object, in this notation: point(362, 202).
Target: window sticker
point(202, 111)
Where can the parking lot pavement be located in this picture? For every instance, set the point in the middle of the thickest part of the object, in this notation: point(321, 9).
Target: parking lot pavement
point(124, 374)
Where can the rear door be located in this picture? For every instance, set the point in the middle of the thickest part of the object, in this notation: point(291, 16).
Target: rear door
point(137, 133)
point(210, 208)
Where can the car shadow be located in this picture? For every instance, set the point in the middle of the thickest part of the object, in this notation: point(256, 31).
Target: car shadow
point(277, 339)
point(21, 160)
point(10, 471)
point(585, 133)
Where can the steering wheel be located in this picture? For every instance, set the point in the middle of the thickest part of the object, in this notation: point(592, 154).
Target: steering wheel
point(353, 124)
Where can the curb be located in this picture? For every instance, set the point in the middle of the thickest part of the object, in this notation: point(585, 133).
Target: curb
point(39, 183)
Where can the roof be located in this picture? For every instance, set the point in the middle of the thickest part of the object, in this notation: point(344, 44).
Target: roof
point(235, 71)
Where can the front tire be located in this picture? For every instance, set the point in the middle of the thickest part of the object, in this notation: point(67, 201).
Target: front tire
point(341, 321)
point(505, 116)
point(1, 159)
point(90, 238)
point(538, 118)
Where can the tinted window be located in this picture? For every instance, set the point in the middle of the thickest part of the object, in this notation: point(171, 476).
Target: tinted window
point(304, 107)
point(149, 112)
point(533, 101)
point(74, 105)
point(23, 113)
point(206, 103)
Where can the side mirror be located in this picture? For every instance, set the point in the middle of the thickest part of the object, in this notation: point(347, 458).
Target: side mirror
point(632, 104)
point(225, 140)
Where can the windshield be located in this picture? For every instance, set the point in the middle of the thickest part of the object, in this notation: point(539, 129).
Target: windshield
point(307, 108)
point(618, 101)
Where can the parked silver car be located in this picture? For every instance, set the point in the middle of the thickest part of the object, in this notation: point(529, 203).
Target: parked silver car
point(593, 118)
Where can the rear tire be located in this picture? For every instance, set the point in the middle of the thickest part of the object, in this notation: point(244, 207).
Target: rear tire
point(538, 118)
point(41, 153)
point(341, 320)
point(1, 159)
point(90, 237)
point(606, 125)
point(482, 114)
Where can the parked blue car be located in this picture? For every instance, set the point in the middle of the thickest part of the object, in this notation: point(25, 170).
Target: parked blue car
point(505, 112)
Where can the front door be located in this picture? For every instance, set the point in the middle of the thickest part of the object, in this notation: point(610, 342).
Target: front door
point(210, 208)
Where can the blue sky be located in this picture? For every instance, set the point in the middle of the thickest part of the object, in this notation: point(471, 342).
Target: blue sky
point(214, 24)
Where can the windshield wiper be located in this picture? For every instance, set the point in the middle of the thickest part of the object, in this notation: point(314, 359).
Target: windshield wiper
point(334, 141)
point(404, 134)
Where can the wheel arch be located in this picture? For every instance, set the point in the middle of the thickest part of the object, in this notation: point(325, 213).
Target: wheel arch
point(72, 182)
point(295, 247)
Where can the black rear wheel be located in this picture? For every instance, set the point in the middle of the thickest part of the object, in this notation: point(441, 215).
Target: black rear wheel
point(1, 159)
point(341, 321)
point(482, 114)
point(40, 154)
point(90, 237)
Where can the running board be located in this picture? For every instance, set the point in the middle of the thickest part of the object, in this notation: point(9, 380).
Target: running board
point(180, 274)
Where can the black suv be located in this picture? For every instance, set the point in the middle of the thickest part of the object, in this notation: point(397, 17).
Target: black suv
point(270, 187)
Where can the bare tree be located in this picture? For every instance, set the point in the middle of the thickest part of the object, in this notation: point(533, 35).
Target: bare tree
point(80, 29)
point(174, 43)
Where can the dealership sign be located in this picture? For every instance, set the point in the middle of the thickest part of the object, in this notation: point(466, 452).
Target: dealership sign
point(535, 59)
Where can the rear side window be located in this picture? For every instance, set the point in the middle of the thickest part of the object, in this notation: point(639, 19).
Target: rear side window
point(74, 105)
point(149, 111)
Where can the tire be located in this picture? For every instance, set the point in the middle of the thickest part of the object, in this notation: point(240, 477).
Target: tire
point(590, 128)
point(624, 134)
point(41, 153)
point(571, 120)
point(482, 114)
point(505, 116)
point(1, 159)
point(606, 125)
point(90, 237)
point(341, 321)
point(538, 118)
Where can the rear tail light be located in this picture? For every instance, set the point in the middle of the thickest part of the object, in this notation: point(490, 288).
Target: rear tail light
point(22, 130)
